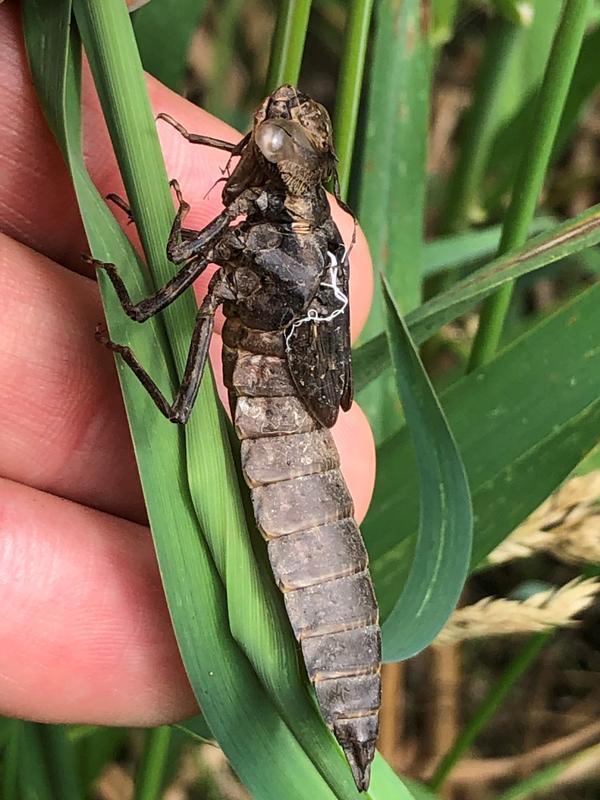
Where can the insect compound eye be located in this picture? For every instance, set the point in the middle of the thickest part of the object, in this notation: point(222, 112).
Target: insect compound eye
point(273, 142)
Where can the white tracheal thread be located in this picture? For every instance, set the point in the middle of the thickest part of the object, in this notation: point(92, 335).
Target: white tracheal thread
point(312, 315)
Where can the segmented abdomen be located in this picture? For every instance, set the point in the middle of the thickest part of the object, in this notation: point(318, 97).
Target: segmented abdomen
point(305, 512)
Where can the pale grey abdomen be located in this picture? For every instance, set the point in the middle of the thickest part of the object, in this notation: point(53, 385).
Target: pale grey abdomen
point(304, 510)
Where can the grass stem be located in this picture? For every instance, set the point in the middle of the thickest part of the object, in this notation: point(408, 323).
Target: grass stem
point(479, 126)
point(536, 154)
point(150, 776)
point(350, 86)
point(287, 47)
point(487, 707)
point(117, 70)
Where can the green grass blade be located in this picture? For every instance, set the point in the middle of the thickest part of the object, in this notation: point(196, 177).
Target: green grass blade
point(508, 140)
point(349, 88)
point(163, 30)
point(394, 151)
point(288, 43)
point(408, 156)
point(151, 773)
point(533, 55)
point(590, 463)
point(385, 784)
point(443, 548)
point(480, 124)
point(516, 444)
point(559, 242)
point(516, 105)
point(528, 184)
point(10, 760)
point(108, 40)
point(40, 764)
point(488, 707)
point(33, 779)
point(60, 757)
point(464, 249)
point(6, 730)
point(419, 791)
point(369, 361)
point(584, 82)
point(393, 168)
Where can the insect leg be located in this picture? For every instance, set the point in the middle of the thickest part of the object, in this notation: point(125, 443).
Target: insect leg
point(122, 204)
point(190, 252)
point(185, 233)
point(209, 141)
point(196, 242)
point(179, 410)
point(140, 312)
point(183, 243)
point(177, 251)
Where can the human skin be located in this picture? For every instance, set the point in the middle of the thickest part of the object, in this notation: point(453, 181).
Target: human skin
point(85, 635)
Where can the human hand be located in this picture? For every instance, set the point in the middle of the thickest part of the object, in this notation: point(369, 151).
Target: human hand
point(85, 633)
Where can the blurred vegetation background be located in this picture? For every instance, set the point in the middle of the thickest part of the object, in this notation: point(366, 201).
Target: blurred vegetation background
point(506, 702)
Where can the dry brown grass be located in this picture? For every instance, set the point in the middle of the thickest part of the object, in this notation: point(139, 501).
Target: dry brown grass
point(500, 617)
point(567, 525)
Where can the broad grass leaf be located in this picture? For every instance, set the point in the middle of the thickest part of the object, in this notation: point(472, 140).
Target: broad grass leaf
point(443, 547)
point(522, 423)
point(573, 236)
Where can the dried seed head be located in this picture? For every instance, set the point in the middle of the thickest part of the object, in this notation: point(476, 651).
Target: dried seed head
point(567, 525)
point(500, 617)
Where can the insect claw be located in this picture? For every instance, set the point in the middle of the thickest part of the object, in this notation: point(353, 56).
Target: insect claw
point(107, 267)
point(216, 183)
point(173, 122)
point(174, 184)
point(184, 207)
point(120, 203)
